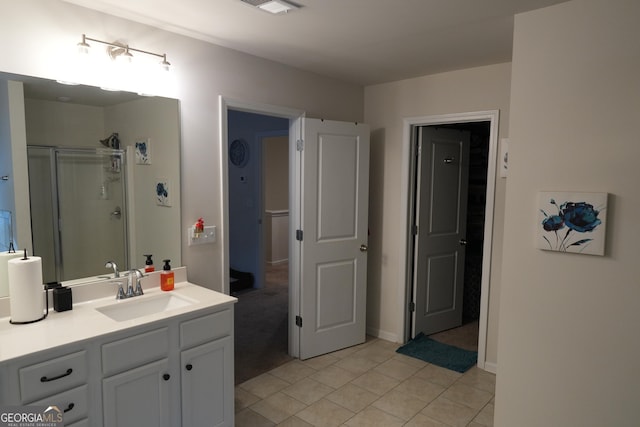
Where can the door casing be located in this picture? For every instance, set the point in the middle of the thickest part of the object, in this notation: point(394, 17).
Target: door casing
point(410, 125)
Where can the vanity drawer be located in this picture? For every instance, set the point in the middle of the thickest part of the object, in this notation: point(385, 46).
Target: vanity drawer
point(205, 328)
point(74, 403)
point(134, 351)
point(53, 376)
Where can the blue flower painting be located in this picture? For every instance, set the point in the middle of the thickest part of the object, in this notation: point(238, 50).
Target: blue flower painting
point(572, 222)
point(143, 152)
point(162, 192)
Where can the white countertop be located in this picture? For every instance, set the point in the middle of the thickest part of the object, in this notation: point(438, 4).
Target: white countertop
point(85, 322)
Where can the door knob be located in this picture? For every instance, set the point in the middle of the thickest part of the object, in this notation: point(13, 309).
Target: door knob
point(363, 248)
point(463, 242)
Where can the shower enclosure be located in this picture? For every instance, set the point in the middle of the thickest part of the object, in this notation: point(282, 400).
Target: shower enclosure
point(78, 210)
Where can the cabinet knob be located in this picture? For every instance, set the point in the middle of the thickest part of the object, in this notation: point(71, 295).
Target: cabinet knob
point(189, 366)
point(166, 377)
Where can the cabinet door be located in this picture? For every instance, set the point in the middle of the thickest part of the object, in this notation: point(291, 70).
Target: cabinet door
point(207, 384)
point(139, 397)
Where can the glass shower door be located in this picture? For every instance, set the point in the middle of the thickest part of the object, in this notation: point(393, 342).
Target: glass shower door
point(78, 210)
point(91, 211)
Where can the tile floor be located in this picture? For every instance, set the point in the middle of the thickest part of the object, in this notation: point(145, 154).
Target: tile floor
point(366, 385)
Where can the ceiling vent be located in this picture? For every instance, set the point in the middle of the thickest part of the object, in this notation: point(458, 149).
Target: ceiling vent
point(272, 6)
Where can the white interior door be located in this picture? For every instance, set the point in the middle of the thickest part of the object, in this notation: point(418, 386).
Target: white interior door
point(334, 196)
point(443, 176)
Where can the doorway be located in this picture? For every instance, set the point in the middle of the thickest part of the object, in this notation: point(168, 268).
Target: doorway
point(411, 127)
point(258, 183)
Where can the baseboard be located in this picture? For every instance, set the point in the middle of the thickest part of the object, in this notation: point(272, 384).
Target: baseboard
point(383, 335)
point(491, 367)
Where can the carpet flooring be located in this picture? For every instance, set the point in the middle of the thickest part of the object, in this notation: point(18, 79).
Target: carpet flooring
point(261, 325)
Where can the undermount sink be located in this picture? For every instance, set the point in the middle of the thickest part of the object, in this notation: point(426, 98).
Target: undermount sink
point(135, 307)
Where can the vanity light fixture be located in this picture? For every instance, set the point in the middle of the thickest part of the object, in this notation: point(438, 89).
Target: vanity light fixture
point(272, 6)
point(121, 52)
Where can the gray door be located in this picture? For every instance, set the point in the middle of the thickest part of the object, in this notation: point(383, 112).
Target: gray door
point(441, 210)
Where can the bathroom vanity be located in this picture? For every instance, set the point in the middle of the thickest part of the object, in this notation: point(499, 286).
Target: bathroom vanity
point(160, 359)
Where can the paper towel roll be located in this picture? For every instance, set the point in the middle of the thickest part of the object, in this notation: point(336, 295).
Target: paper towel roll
point(26, 289)
point(4, 270)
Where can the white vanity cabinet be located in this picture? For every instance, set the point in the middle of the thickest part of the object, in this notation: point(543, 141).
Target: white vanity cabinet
point(172, 371)
point(59, 379)
point(136, 380)
point(206, 364)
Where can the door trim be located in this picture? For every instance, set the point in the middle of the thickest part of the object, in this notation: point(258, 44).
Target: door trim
point(409, 125)
point(295, 128)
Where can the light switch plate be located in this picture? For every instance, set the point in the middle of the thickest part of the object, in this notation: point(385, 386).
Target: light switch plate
point(207, 236)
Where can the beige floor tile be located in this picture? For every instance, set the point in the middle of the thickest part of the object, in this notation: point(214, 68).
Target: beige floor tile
point(410, 360)
point(278, 407)
point(321, 362)
point(341, 354)
point(308, 390)
point(249, 418)
point(423, 421)
point(468, 396)
point(294, 422)
point(333, 376)
point(396, 369)
point(474, 424)
point(352, 397)
point(264, 385)
point(478, 378)
point(325, 413)
point(357, 365)
point(377, 352)
point(400, 405)
point(244, 399)
point(485, 417)
point(421, 389)
point(438, 375)
point(375, 382)
point(449, 412)
point(373, 417)
point(293, 371)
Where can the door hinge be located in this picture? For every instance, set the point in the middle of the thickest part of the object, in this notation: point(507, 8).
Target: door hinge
point(300, 145)
point(299, 235)
point(412, 307)
point(415, 230)
point(299, 321)
point(418, 149)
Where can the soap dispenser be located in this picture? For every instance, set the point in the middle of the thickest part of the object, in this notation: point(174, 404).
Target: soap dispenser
point(148, 264)
point(166, 277)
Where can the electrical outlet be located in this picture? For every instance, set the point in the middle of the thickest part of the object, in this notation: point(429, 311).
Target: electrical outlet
point(208, 235)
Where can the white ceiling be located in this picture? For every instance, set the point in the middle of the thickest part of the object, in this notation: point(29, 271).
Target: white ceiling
point(359, 41)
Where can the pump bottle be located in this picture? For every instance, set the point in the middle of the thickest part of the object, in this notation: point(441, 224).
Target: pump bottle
point(148, 264)
point(166, 277)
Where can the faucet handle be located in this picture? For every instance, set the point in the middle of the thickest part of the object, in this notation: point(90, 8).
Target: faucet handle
point(120, 294)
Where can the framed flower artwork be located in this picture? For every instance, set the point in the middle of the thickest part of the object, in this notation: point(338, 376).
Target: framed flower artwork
point(572, 222)
point(143, 152)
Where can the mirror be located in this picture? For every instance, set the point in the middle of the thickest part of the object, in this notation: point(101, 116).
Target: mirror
point(72, 153)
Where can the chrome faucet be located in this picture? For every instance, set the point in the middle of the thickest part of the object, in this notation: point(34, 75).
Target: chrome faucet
point(111, 264)
point(138, 290)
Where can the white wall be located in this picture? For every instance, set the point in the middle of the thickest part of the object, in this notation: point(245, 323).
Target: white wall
point(41, 31)
point(64, 124)
point(568, 339)
point(14, 193)
point(157, 229)
point(386, 105)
